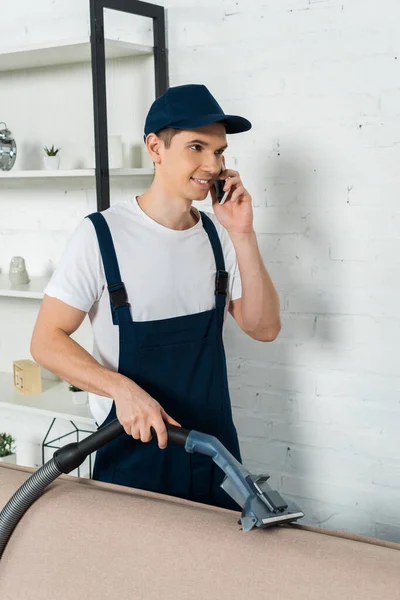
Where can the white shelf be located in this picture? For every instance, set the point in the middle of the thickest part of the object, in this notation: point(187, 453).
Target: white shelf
point(15, 178)
point(54, 401)
point(34, 289)
point(66, 52)
point(59, 174)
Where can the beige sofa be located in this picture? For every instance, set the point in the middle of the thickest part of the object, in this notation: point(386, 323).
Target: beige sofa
point(84, 539)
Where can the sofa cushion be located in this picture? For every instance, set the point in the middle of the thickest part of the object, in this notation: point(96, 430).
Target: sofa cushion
point(98, 541)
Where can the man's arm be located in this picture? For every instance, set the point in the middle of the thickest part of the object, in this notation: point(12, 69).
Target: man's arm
point(52, 347)
point(257, 311)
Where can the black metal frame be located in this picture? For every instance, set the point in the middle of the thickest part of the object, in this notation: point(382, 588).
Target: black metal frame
point(57, 439)
point(136, 7)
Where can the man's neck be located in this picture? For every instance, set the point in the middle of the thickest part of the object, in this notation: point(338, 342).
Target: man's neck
point(170, 213)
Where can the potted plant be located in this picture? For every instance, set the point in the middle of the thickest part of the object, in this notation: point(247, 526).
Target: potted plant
point(51, 161)
point(76, 397)
point(7, 450)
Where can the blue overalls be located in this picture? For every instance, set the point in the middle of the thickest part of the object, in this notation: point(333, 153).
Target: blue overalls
point(181, 363)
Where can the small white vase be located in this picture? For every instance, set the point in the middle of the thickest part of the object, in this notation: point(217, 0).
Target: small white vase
point(51, 163)
point(115, 152)
point(11, 458)
point(146, 161)
point(79, 397)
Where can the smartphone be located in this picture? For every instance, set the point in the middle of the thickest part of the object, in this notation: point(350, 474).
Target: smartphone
point(219, 189)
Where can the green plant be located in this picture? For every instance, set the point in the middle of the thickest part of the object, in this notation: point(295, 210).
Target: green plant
point(6, 444)
point(52, 151)
point(73, 388)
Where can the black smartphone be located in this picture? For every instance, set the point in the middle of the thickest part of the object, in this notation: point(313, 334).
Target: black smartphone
point(219, 189)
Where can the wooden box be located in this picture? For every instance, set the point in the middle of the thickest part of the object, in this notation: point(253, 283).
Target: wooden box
point(27, 377)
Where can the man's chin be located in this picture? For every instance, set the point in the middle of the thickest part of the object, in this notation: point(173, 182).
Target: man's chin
point(199, 196)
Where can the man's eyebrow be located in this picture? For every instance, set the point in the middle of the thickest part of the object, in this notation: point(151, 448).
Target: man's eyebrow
point(206, 144)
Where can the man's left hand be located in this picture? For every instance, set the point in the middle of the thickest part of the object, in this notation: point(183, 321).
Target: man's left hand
point(236, 214)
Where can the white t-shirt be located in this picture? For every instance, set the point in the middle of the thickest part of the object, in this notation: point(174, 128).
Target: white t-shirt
point(167, 273)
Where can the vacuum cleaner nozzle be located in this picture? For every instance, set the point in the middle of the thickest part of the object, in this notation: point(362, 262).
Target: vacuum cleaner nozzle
point(262, 506)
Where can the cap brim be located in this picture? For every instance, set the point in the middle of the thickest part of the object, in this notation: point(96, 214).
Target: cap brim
point(234, 123)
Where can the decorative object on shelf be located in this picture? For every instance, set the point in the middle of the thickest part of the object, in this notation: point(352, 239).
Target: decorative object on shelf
point(146, 161)
point(51, 161)
point(76, 398)
point(115, 152)
point(7, 449)
point(27, 376)
point(18, 274)
point(8, 149)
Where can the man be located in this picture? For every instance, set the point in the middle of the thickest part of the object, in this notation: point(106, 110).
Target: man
point(157, 279)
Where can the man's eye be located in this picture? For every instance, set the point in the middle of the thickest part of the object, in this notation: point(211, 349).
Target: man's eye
point(197, 146)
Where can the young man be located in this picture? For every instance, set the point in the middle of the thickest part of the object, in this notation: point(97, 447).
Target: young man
point(157, 279)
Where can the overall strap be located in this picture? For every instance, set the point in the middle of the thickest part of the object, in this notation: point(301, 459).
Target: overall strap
point(120, 310)
point(221, 277)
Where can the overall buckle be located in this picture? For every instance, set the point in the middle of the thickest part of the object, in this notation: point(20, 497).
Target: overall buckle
point(221, 282)
point(118, 295)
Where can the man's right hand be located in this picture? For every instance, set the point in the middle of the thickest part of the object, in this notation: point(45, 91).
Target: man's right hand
point(137, 411)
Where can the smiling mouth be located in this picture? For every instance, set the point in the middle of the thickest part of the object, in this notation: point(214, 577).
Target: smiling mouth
point(201, 185)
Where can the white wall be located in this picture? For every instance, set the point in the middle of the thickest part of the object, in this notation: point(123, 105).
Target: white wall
point(319, 408)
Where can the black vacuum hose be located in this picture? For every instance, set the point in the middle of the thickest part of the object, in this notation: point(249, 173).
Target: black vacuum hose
point(65, 460)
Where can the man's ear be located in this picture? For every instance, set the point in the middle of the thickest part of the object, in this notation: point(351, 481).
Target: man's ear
point(153, 144)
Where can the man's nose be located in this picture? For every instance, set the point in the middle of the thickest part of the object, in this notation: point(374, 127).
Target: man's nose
point(213, 168)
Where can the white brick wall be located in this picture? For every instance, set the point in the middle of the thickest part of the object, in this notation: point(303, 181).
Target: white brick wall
point(319, 408)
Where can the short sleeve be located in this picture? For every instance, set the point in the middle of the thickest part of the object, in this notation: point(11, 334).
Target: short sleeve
point(78, 279)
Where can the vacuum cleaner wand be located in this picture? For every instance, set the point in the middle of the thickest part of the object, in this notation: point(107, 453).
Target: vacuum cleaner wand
point(262, 506)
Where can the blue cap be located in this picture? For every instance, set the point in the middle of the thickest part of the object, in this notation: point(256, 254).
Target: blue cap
point(188, 107)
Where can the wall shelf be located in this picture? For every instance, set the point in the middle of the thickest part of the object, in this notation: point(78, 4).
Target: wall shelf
point(68, 51)
point(34, 289)
point(71, 173)
point(15, 178)
point(54, 401)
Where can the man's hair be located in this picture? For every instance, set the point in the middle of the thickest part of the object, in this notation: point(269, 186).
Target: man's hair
point(167, 133)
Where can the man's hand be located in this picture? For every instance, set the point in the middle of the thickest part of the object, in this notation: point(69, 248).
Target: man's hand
point(137, 411)
point(236, 214)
